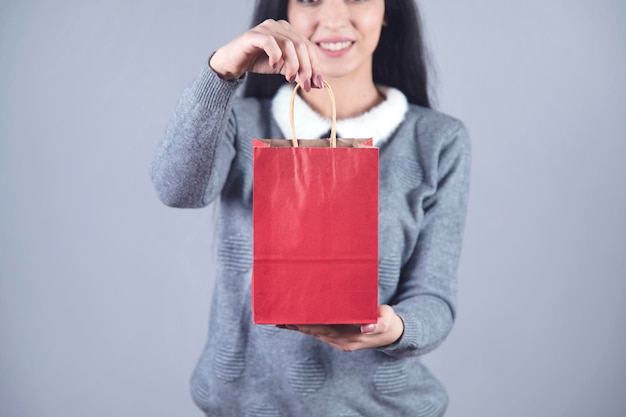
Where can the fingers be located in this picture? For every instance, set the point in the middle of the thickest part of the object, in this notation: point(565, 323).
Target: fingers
point(272, 47)
point(387, 330)
point(292, 54)
point(368, 328)
point(346, 338)
point(385, 321)
point(342, 337)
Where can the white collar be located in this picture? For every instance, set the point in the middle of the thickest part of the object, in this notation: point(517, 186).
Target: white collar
point(377, 123)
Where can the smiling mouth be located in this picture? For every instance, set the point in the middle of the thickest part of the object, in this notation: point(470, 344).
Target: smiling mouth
point(335, 46)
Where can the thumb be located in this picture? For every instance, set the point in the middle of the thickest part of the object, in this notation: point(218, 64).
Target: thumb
point(368, 328)
point(385, 315)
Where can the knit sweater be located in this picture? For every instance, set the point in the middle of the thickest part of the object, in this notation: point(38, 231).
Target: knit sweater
point(263, 371)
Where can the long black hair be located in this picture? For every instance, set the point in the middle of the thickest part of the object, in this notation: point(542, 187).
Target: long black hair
point(400, 59)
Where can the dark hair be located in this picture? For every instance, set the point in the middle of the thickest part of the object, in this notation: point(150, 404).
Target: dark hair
point(400, 59)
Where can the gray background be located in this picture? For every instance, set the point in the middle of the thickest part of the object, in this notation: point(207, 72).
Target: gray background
point(104, 292)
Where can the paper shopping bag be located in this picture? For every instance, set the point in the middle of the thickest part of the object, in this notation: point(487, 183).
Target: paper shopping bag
point(315, 225)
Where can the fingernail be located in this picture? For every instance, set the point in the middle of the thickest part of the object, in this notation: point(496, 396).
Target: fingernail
point(292, 78)
point(368, 328)
point(307, 85)
point(319, 81)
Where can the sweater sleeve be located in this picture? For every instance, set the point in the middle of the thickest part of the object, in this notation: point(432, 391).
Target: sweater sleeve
point(426, 297)
point(192, 162)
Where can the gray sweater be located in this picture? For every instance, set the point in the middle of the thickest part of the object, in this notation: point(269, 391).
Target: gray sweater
point(262, 371)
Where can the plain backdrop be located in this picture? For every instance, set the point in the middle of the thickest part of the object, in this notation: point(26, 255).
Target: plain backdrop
point(104, 292)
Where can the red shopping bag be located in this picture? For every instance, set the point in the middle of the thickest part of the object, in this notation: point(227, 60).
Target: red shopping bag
point(315, 221)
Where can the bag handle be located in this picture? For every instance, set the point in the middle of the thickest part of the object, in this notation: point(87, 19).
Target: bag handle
point(333, 126)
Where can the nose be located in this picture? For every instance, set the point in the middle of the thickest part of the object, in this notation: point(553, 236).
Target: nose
point(334, 14)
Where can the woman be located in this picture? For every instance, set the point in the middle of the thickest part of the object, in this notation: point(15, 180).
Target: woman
point(370, 52)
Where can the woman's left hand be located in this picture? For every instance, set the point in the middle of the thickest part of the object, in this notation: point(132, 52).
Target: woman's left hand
point(348, 337)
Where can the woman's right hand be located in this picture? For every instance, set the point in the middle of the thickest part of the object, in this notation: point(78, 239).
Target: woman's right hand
point(273, 47)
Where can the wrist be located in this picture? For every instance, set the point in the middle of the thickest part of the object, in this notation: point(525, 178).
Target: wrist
point(218, 68)
point(399, 329)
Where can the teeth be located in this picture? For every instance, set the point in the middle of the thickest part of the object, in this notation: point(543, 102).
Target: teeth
point(335, 46)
